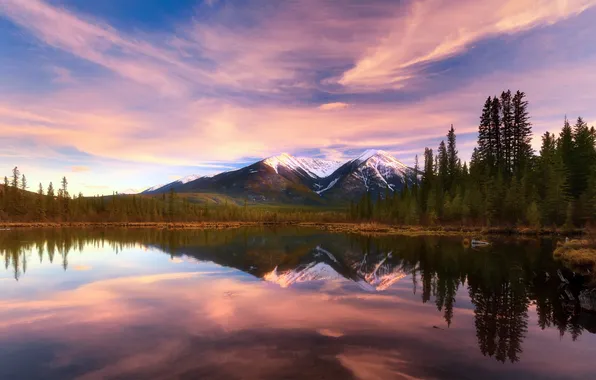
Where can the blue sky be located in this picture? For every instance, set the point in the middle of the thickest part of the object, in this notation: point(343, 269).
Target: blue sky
point(123, 95)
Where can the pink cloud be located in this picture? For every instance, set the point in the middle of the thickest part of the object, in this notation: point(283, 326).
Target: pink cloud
point(432, 30)
point(333, 106)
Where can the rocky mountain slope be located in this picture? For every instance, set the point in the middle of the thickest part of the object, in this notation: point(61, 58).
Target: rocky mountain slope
point(303, 180)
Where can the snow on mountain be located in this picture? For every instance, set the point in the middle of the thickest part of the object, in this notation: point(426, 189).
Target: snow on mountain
point(377, 168)
point(319, 167)
point(374, 171)
point(154, 188)
point(331, 184)
point(284, 160)
point(167, 186)
point(381, 161)
point(314, 167)
point(379, 277)
point(311, 272)
point(188, 178)
point(383, 275)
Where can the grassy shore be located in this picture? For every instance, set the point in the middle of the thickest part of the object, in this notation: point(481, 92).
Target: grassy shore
point(338, 227)
point(578, 255)
point(167, 225)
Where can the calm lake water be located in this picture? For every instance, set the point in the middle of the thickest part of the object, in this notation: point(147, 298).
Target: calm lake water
point(285, 304)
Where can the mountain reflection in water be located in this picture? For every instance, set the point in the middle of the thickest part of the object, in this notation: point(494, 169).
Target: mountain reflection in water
point(288, 303)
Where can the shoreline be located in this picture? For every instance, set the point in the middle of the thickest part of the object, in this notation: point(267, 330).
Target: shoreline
point(378, 229)
point(578, 255)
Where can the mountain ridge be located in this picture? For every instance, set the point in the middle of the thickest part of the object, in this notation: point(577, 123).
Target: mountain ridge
point(304, 180)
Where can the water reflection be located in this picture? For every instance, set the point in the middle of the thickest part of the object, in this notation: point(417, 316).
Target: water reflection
point(340, 305)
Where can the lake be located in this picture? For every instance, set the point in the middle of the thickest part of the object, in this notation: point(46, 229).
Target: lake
point(287, 303)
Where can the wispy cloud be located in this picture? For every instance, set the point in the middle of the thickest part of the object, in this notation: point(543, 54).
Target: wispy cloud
point(333, 106)
point(432, 30)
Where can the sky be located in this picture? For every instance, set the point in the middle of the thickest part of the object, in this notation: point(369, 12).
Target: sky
point(118, 95)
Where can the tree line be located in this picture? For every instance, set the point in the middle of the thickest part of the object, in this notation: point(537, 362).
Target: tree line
point(505, 183)
point(17, 204)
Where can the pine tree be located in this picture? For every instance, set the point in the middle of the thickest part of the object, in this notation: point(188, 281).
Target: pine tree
point(443, 165)
point(65, 198)
point(452, 159)
point(443, 176)
point(6, 196)
point(583, 157)
point(428, 179)
point(507, 131)
point(565, 147)
point(15, 178)
point(23, 183)
point(416, 171)
point(495, 135)
point(40, 209)
point(484, 151)
point(50, 208)
point(522, 133)
point(554, 187)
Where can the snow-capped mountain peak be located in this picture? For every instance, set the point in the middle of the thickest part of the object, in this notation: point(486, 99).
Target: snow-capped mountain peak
point(311, 272)
point(154, 188)
point(319, 167)
point(284, 160)
point(373, 276)
point(188, 178)
point(314, 167)
point(370, 153)
point(291, 178)
point(376, 157)
point(180, 181)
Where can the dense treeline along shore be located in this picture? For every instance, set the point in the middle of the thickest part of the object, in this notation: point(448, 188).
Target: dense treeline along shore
point(505, 183)
point(506, 187)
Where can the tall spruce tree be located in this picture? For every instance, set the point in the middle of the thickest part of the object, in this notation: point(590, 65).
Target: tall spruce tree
point(40, 209)
point(565, 146)
point(428, 178)
point(452, 159)
point(50, 199)
point(507, 131)
point(16, 174)
point(484, 137)
point(554, 187)
point(522, 133)
point(495, 135)
point(583, 157)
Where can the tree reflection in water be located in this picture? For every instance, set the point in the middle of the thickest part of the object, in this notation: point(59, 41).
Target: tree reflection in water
point(502, 281)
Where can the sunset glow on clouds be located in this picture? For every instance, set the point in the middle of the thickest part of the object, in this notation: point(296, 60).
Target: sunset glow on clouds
point(134, 93)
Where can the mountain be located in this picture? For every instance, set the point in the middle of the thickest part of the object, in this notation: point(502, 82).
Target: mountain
point(321, 265)
point(301, 261)
point(374, 171)
point(166, 187)
point(279, 179)
point(302, 180)
point(314, 167)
